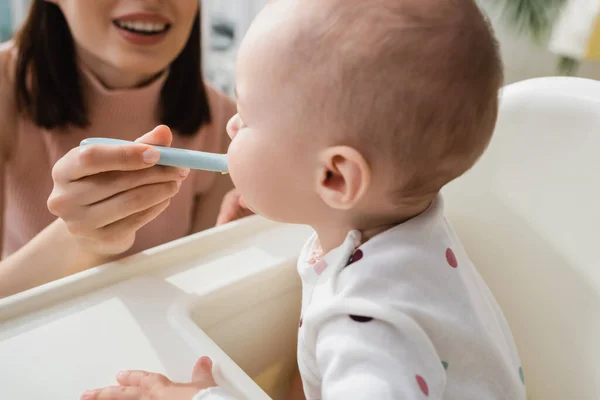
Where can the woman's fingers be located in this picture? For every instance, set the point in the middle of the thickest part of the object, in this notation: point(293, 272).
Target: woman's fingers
point(133, 222)
point(95, 158)
point(130, 202)
point(95, 188)
point(110, 225)
point(105, 193)
point(120, 235)
point(89, 160)
point(120, 206)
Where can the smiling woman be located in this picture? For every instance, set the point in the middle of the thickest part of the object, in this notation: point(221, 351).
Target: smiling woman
point(107, 68)
point(143, 29)
point(119, 57)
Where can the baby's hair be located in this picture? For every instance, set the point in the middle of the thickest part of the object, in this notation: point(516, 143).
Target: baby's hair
point(414, 81)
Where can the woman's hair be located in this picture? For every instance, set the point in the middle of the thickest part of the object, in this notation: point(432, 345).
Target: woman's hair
point(48, 87)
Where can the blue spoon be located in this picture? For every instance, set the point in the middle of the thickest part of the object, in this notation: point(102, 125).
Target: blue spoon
point(176, 157)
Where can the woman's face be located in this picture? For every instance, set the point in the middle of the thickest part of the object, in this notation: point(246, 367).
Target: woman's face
point(127, 41)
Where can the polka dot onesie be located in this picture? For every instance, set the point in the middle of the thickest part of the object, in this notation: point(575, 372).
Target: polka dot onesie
point(403, 316)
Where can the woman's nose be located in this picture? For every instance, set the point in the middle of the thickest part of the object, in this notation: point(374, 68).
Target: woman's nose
point(233, 126)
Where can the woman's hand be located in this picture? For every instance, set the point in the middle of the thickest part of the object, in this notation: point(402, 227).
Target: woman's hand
point(141, 385)
point(233, 207)
point(105, 193)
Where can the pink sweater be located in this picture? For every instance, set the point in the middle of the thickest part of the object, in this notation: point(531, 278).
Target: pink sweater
point(124, 114)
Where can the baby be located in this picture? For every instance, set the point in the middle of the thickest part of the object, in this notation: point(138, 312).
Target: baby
point(352, 116)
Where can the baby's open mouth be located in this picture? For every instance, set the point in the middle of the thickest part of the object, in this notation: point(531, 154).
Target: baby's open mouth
point(142, 27)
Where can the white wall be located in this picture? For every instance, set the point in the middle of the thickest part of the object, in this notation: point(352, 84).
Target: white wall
point(240, 11)
point(220, 65)
point(523, 59)
point(18, 10)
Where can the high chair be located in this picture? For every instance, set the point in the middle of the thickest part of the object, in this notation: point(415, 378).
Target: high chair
point(527, 214)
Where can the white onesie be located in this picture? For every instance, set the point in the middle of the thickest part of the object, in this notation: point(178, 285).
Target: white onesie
point(403, 316)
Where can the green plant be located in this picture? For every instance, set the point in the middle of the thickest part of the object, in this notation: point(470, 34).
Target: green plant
point(535, 19)
point(567, 65)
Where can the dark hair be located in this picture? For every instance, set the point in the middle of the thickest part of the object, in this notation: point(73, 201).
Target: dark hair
point(48, 88)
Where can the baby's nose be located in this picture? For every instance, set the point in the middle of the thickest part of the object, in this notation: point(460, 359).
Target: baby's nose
point(233, 126)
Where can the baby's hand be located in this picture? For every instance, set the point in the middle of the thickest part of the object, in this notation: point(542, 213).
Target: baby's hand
point(233, 207)
point(141, 385)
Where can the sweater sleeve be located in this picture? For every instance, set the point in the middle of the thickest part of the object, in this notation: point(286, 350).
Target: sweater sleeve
point(364, 358)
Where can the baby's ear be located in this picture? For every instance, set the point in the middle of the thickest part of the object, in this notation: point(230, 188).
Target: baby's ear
point(343, 178)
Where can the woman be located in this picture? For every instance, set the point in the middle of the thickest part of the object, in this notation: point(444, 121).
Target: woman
point(111, 68)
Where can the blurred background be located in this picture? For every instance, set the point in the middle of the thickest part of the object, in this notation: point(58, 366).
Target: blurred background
point(225, 23)
point(523, 27)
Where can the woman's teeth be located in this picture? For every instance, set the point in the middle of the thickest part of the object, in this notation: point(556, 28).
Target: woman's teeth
point(148, 28)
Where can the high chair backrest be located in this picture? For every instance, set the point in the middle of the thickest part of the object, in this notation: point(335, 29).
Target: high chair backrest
point(529, 216)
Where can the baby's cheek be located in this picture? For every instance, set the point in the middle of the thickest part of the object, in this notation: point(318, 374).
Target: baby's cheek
point(244, 168)
point(235, 161)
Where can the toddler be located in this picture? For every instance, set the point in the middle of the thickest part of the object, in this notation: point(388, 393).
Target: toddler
point(352, 116)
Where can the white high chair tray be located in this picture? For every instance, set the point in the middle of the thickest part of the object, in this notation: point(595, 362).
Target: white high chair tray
point(157, 311)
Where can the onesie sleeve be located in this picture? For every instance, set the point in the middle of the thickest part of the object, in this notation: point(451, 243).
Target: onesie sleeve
point(365, 358)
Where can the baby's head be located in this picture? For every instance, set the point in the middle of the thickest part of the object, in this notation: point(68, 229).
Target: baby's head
point(357, 113)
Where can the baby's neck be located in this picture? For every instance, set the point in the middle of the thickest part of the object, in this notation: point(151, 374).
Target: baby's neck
point(332, 236)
